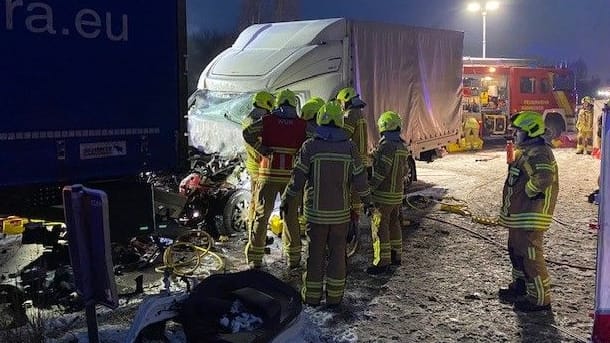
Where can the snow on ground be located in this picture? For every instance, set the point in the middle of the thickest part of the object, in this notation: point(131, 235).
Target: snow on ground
point(445, 291)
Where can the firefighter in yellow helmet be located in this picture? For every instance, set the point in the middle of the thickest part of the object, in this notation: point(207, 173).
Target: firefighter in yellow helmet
point(584, 125)
point(356, 128)
point(528, 201)
point(387, 188)
point(309, 112)
point(355, 124)
point(327, 165)
point(276, 137)
point(262, 104)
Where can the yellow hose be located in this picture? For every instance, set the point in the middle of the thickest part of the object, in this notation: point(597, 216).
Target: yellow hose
point(180, 268)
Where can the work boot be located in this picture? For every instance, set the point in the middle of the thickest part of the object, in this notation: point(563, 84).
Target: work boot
point(376, 270)
point(396, 260)
point(514, 292)
point(579, 152)
point(527, 306)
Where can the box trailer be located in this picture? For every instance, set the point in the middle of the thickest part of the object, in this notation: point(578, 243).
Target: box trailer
point(414, 71)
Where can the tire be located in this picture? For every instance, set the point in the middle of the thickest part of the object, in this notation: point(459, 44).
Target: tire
point(235, 211)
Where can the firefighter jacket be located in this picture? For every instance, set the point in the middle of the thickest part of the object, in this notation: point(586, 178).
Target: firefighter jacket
point(531, 187)
point(253, 158)
point(311, 128)
point(327, 166)
point(389, 169)
point(355, 126)
point(277, 137)
point(585, 121)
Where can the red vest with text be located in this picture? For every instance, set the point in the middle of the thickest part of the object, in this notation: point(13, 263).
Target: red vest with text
point(285, 137)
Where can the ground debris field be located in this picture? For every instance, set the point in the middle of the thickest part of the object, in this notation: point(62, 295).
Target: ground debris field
point(452, 267)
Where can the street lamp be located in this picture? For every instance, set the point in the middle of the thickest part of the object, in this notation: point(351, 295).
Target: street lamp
point(489, 6)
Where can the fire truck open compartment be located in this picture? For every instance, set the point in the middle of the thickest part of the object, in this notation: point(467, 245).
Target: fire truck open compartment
point(493, 89)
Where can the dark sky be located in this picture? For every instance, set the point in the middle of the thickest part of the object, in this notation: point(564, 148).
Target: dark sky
point(556, 30)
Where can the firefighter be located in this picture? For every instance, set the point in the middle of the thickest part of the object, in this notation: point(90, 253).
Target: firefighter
point(327, 165)
point(471, 133)
point(262, 104)
point(387, 188)
point(584, 125)
point(356, 128)
point(309, 112)
point(528, 202)
point(276, 137)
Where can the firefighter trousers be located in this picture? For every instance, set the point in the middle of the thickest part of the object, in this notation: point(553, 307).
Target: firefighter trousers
point(529, 268)
point(252, 205)
point(386, 234)
point(321, 237)
point(266, 193)
point(584, 141)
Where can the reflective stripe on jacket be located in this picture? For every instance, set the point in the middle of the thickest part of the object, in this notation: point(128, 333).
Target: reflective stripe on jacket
point(531, 188)
point(327, 170)
point(356, 128)
point(389, 170)
point(253, 158)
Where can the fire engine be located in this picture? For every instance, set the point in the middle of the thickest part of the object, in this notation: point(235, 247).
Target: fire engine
point(495, 88)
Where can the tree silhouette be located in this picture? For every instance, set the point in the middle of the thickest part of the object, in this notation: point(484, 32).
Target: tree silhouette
point(202, 47)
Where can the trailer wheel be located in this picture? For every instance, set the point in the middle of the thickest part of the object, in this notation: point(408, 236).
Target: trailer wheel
point(235, 213)
point(12, 312)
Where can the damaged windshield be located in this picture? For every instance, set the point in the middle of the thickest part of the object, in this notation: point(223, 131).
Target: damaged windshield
point(221, 105)
point(214, 121)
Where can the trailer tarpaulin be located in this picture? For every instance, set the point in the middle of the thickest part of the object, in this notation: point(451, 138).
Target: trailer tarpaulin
point(415, 69)
point(601, 324)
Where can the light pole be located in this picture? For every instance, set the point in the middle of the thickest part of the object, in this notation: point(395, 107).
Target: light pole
point(489, 6)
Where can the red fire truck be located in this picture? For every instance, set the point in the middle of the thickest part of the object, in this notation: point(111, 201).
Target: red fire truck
point(495, 88)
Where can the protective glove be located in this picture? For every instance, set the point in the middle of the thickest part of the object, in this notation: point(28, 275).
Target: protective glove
point(265, 151)
point(283, 208)
point(369, 208)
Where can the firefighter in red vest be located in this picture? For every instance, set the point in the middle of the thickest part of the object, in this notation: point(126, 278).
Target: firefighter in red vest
point(277, 137)
point(326, 166)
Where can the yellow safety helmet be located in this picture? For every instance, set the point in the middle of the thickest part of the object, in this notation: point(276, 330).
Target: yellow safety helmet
point(286, 97)
point(388, 121)
point(587, 100)
point(348, 98)
point(263, 99)
point(311, 107)
point(330, 113)
point(346, 94)
point(530, 122)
